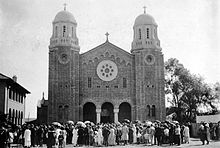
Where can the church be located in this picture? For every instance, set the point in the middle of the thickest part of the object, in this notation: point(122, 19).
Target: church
point(107, 83)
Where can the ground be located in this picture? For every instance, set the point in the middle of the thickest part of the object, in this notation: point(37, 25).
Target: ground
point(194, 143)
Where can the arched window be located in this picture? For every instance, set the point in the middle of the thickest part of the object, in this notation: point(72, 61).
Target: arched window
point(139, 32)
point(13, 115)
point(64, 30)
point(153, 111)
point(16, 117)
point(89, 82)
point(147, 33)
point(124, 82)
point(148, 110)
point(72, 31)
point(56, 31)
point(10, 93)
point(19, 117)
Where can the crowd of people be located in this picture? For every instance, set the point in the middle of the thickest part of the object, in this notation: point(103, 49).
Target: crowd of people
point(102, 134)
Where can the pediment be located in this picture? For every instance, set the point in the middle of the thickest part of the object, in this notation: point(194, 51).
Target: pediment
point(106, 50)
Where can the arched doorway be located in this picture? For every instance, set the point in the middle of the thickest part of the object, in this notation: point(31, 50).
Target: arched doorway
point(107, 115)
point(124, 111)
point(89, 112)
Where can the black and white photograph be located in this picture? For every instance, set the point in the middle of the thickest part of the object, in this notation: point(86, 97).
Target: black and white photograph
point(109, 73)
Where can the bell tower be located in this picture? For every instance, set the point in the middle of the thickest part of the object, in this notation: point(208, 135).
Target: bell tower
point(149, 69)
point(63, 87)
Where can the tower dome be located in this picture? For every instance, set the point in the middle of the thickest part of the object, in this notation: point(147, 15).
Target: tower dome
point(64, 16)
point(144, 19)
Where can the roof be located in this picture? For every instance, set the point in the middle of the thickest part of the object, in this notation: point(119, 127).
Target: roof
point(10, 81)
point(107, 43)
point(144, 19)
point(64, 16)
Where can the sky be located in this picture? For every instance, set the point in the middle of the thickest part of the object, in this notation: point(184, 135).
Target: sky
point(188, 30)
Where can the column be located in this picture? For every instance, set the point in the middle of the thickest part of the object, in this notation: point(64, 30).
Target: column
point(116, 110)
point(98, 115)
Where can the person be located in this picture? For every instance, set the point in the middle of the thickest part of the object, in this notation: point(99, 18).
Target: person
point(217, 131)
point(111, 137)
point(80, 139)
point(99, 136)
point(134, 133)
point(124, 131)
point(158, 134)
point(186, 134)
point(105, 134)
point(27, 138)
point(118, 134)
point(51, 137)
point(75, 136)
point(3, 136)
point(61, 139)
point(177, 134)
point(202, 133)
point(207, 133)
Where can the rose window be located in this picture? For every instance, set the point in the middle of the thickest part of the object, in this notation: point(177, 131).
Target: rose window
point(107, 70)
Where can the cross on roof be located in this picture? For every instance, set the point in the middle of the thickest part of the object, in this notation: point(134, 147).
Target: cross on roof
point(144, 9)
point(107, 34)
point(64, 6)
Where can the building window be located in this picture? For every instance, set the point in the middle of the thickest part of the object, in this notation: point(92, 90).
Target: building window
point(13, 115)
point(148, 110)
point(21, 99)
point(124, 82)
point(72, 31)
point(153, 111)
point(139, 32)
point(56, 31)
point(10, 94)
point(147, 33)
point(9, 113)
point(89, 82)
point(64, 30)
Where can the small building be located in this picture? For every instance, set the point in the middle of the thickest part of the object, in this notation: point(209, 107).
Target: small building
point(12, 99)
point(42, 109)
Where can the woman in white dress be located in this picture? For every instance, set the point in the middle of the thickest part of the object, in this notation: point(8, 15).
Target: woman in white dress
point(134, 133)
point(75, 136)
point(27, 138)
point(111, 137)
point(99, 136)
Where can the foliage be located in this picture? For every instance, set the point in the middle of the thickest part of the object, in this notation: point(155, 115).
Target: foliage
point(186, 91)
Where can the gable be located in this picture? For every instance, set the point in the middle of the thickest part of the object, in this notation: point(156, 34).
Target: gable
point(106, 50)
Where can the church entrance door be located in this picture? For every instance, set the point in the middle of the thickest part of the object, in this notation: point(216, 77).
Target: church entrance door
point(124, 112)
point(107, 115)
point(89, 112)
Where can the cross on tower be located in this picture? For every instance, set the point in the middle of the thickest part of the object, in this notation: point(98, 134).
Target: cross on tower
point(64, 6)
point(144, 9)
point(107, 34)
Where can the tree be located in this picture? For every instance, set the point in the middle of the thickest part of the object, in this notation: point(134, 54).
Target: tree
point(185, 91)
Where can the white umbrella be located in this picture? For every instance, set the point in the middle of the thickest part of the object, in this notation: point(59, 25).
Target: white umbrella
point(56, 123)
point(87, 122)
point(80, 123)
point(70, 122)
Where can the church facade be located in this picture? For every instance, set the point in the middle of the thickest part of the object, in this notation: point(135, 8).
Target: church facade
point(106, 83)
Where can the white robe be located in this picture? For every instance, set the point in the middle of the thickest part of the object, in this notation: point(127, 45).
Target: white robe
point(75, 137)
point(100, 137)
point(134, 134)
point(27, 138)
point(111, 137)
